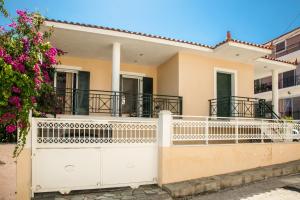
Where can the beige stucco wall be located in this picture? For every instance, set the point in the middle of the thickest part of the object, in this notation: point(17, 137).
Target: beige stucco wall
point(168, 77)
point(185, 74)
point(179, 163)
point(7, 172)
point(197, 85)
point(100, 71)
point(24, 174)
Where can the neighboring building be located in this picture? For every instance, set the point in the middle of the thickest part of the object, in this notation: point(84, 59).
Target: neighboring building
point(286, 47)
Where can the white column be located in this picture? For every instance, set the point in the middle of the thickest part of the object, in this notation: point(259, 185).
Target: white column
point(164, 128)
point(116, 57)
point(275, 91)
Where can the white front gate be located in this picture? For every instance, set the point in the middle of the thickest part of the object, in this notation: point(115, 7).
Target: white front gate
point(75, 154)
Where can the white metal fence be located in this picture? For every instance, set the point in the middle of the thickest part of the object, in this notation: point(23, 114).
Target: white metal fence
point(72, 154)
point(81, 153)
point(206, 130)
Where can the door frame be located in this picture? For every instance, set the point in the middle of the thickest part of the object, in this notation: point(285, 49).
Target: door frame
point(234, 85)
point(68, 69)
point(139, 77)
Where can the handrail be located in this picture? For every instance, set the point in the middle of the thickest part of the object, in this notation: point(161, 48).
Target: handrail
point(117, 103)
point(240, 97)
point(117, 92)
point(238, 106)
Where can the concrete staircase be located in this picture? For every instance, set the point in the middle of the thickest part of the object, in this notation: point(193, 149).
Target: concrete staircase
point(219, 182)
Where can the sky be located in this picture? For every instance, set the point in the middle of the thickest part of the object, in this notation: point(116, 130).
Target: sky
point(203, 21)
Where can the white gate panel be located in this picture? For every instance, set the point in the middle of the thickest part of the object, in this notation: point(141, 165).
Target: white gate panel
point(76, 154)
point(67, 169)
point(133, 165)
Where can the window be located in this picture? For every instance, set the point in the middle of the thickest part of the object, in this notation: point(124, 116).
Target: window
point(263, 85)
point(280, 46)
point(288, 79)
point(285, 107)
point(296, 108)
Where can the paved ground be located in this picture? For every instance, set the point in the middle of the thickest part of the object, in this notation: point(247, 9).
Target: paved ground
point(258, 191)
point(280, 188)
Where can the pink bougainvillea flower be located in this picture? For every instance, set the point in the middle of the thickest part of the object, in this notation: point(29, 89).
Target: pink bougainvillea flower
point(37, 82)
point(11, 128)
point(51, 55)
point(18, 66)
point(16, 90)
point(36, 69)
point(7, 59)
point(15, 100)
point(46, 77)
point(23, 16)
point(2, 29)
point(21, 12)
point(2, 52)
point(23, 58)
point(6, 117)
point(38, 38)
point(33, 100)
point(26, 45)
point(13, 25)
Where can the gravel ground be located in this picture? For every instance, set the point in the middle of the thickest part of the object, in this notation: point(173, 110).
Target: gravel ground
point(271, 189)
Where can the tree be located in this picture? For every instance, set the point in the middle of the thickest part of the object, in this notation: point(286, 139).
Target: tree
point(26, 71)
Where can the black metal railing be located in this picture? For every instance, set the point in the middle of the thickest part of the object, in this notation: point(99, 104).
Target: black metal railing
point(80, 102)
point(235, 106)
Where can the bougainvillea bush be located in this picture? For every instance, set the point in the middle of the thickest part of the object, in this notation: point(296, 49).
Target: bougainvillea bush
point(26, 71)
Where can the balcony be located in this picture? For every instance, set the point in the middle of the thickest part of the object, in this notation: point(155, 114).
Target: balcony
point(289, 49)
point(235, 106)
point(283, 82)
point(87, 102)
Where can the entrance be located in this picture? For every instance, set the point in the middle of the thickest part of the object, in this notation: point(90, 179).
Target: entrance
point(224, 93)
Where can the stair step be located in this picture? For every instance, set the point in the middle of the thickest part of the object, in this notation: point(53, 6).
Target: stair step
point(219, 182)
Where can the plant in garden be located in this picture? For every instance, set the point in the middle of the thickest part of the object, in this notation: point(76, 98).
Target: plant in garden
point(26, 71)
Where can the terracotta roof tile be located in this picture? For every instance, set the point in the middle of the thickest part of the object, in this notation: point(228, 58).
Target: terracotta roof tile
point(283, 61)
point(172, 39)
point(157, 36)
point(131, 32)
point(243, 42)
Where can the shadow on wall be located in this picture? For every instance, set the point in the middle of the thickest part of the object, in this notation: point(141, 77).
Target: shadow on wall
point(7, 172)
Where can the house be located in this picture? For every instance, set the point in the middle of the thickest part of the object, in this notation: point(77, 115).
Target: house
point(132, 108)
point(116, 72)
point(286, 47)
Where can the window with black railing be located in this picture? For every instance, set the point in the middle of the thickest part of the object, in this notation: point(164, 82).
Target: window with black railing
point(286, 79)
point(83, 102)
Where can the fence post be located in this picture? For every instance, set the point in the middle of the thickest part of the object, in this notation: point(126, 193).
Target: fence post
point(164, 128)
point(236, 131)
point(206, 130)
point(23, 167)
point(164, 135)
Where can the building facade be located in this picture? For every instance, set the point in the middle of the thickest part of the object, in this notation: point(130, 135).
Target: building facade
point(114, 72)
point(285, 47)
